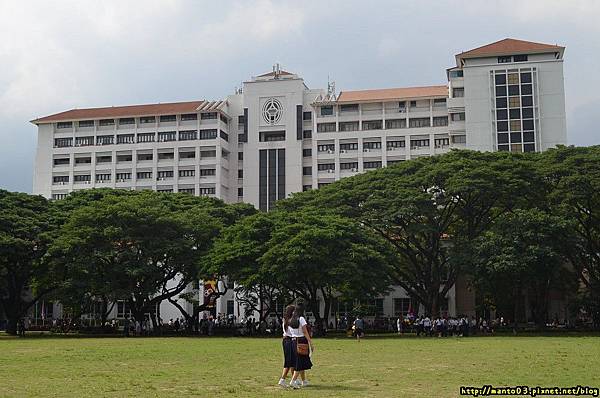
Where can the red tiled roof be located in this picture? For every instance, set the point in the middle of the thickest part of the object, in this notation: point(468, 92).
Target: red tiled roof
point(131, 110)
point(393, 93)
point(509, 46)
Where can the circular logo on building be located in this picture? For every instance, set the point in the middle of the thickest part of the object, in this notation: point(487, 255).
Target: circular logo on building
point(272, 111)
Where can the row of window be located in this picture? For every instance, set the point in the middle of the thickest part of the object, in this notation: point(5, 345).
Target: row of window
point(140, 175)
point(202, 191)
point(330, 148)
point(142, 120)
point(165, 136)
point(328, 110)
point(438, 121)
point(140, 157)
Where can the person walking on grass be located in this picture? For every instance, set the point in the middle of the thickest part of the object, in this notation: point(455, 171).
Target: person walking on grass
point(289, 354)
point(302, 346)
point(359, 327)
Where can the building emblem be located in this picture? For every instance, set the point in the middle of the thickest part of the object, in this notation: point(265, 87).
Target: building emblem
point(272, 111)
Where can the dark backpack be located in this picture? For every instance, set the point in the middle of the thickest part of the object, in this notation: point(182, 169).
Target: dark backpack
point(295, 321)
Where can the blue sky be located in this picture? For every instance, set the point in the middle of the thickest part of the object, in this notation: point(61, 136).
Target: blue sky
point(68, 54)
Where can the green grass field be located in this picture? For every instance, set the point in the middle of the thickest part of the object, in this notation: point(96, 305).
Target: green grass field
point(245, 367)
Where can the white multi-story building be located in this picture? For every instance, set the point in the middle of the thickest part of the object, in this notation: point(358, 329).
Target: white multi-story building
point(276, 136)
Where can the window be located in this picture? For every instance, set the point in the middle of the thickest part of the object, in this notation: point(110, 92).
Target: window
point(187, 173)
point(515, 113)
point(62, 161)
point(103, 177)
point(144, 175)
point(147, 119)
point(188, 135)
point(306, 115)
point(349, 146)
point(513, 78)
point(105, 140)
point(123, 309)
point(267, 136)
point(63, 142)
point(104, 159)
point(516, 148)
point(372, 125)
point(504, 59)
point(526, 89)
point(240, 155)
point(207, 191)
point(240, 173)
point(187, 190)
point(306, 188)
point(372, 165)
point(166, 156)
point(106, 122)
point(126, 139)
point(372, 145)
point(348, 126)
point(515, 125)
point(325, 127)
point(83, 160)
point(348, 108)
point(224, 135)
point(439, 101)
point(208, 116)
point(500, 78)
point(501, 102)
point(208, 134)
point(322, 184)
point(502, 148)
point(160, 175)
point(124, 158)
point(64, 125)
point(500, 91)
point(82, 178)
point(526, 77)
point(395, 144)
point(307, 152)
point(327, 110)
point(528, 136)
point(223, 119)
point(326, 166)
point(458, 92)
point(401, 307)
point(413, 104)
point(84, 141)
point(527, 100)
point(307, 171)
point(419, 122)
point(123, 176)
point(145, 137)
point(419, 143)
point(189, 116)
point(501, 114)
point(59, 196)
point(502, 138)
point(86, 123)
point(456, 73)
point(527, 113)
point(395, 124)
point(440, 121)
point(528, 124)
point(520, 58)
point(515, 137)
point(502, 126)
point(307, 134)
point(513, 90)
point(144, 156)
point(166, 136)
point(326, 148)
point(349, 166)
point(208, 154)
point(459, 139)
point(514, 102)
point(528, 147)
point(187, 155)
point(60, 179)
point(208, 172)
point(126, 121)
point(441, 142)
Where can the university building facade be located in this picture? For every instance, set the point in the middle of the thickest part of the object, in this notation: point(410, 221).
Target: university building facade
point(277, 136)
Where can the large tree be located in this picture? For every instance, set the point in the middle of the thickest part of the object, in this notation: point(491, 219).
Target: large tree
point(25, 225)
point(430, 210)
point(520, 260)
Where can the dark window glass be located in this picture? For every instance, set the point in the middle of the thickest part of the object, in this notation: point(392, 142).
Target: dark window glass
point(520, 58)
point(527, 100)
point(501, 114)
point(502, 138)
point(529, 147)
point(500, 91)
point(528, 136)
point(513, 90)
point(307, 171)
point(526, 77)
point(528, 112)
point(502, 126)
point(526, 89)
point(515, 113)
point(307, 134)
point(528, 124)
point(515, 137)
point(501, 102)
point(306, 115)
point(500, 79)
point(503, 147)
point(504, 59)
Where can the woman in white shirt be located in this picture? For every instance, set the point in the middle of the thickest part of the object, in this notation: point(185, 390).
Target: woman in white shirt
point(300, 336)
point(289, 353)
